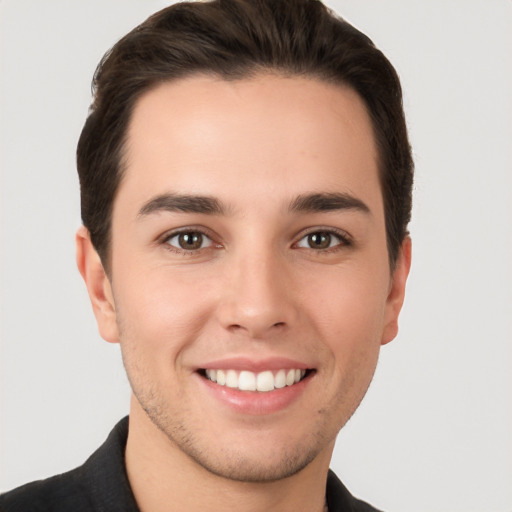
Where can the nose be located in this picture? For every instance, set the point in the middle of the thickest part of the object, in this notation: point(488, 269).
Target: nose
point(257, 296)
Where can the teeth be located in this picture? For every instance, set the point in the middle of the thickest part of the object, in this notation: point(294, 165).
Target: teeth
point(212, 375)
point(280, 379)
point(247, 381)
point(265, 381)
point(250, 381)
point(231, 379)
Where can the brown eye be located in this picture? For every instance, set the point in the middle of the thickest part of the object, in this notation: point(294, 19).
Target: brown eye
point(320, 240)
point(189, 240)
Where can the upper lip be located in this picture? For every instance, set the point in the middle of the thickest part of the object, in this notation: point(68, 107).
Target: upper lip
point(254, 365)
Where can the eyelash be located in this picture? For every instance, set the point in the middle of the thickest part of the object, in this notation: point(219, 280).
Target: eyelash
point(188, 231)
point(343, 238)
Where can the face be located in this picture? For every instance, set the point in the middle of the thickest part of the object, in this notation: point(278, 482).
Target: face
point(250, 286)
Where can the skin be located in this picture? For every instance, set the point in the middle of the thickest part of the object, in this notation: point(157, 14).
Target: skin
point(255, 288)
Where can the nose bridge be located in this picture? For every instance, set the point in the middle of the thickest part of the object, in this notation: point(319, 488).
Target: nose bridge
point(257, 298)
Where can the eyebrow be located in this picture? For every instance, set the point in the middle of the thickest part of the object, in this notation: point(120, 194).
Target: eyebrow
point(326, 202)
point(307, 203)
point(183, 203)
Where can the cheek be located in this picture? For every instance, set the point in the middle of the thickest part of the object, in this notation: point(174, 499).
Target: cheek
point(349, 312)
point(348, 317)
point(161, 309)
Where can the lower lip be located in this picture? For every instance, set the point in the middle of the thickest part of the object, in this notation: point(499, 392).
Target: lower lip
point(257, 402)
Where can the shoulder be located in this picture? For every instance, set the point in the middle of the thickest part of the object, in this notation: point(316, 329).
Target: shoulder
point(98, 485)
point(56, 494)
point(339, 498)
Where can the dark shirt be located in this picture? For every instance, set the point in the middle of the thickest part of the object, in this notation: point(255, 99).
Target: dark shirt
point(101, 485)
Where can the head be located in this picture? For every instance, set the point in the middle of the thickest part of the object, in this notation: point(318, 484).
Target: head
point(232, 40)
point(246, 179)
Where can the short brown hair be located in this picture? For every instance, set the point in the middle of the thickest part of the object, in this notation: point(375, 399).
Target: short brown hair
point(234, 39)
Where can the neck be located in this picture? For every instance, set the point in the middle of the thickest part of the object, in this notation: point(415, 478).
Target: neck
point(164, 479)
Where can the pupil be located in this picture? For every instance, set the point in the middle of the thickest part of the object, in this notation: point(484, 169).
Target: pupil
point(319, 240)
point(190, 240)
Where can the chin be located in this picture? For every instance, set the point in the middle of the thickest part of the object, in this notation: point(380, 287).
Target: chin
point(240, 466)
point(250, 456)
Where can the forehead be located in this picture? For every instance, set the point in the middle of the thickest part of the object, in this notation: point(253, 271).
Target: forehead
point(202, 134)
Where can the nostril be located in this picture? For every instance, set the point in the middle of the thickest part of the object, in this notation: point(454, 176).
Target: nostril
point(257, 327)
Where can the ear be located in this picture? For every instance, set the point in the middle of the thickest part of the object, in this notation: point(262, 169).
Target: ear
point(397, 291)
point(98, 286)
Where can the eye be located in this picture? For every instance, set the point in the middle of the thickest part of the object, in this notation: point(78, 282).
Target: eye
point(189, 240)
point(322, 240)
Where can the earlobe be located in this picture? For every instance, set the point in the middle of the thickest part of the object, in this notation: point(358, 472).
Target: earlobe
point(396, 294)
point(98, 286)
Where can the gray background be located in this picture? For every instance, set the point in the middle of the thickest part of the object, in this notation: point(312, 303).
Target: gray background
point(435, 431)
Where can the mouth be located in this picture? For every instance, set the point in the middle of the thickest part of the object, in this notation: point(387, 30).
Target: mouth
point(263, 382)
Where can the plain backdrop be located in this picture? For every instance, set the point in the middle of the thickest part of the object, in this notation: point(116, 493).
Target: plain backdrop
point(435, 430)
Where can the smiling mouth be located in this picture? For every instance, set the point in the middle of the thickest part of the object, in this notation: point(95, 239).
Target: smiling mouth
point(250, 381)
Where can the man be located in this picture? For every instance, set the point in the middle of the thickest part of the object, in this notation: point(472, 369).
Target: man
point(246, 188)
